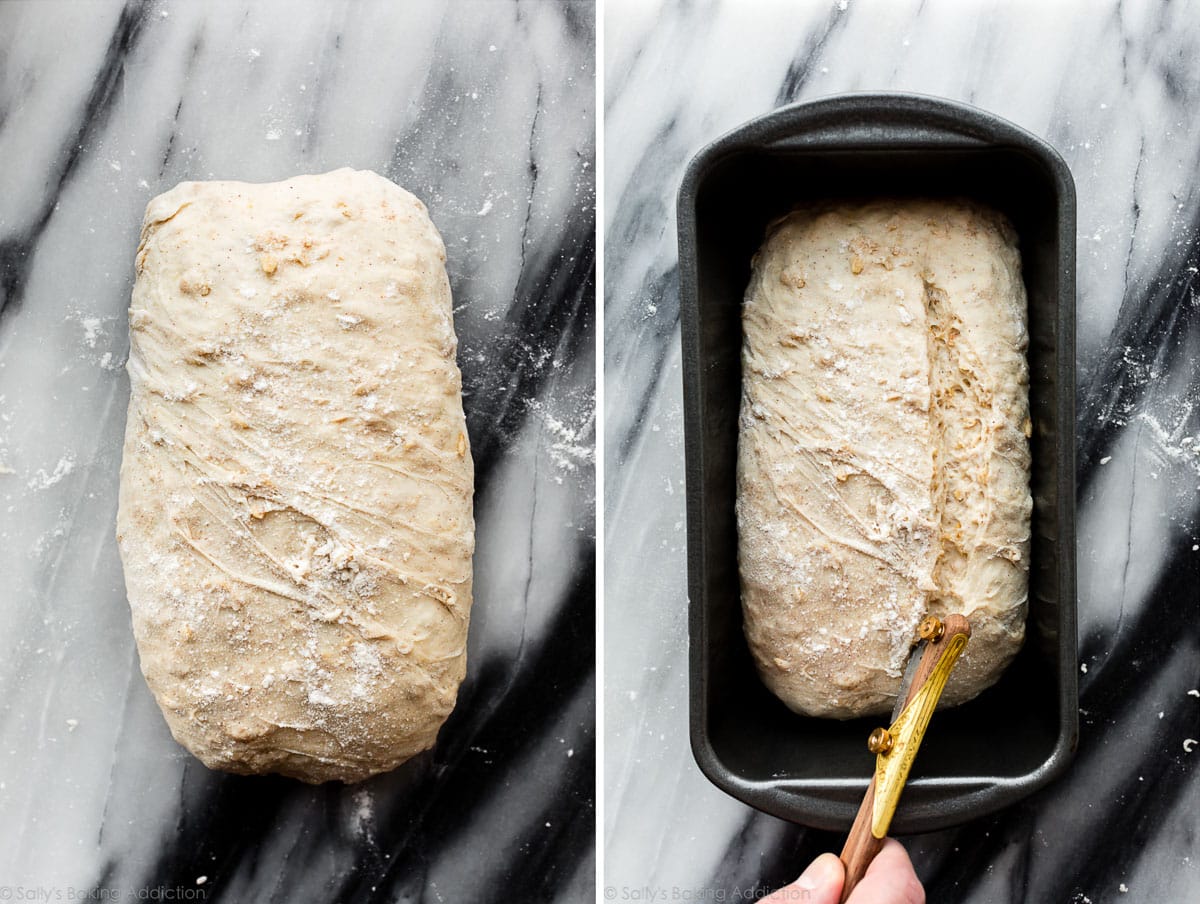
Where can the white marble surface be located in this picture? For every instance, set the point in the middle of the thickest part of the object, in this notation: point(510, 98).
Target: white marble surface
point(1114, 86)
point(486, 111)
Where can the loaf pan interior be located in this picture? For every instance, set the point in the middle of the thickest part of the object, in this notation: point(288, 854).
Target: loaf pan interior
point(1017, 735)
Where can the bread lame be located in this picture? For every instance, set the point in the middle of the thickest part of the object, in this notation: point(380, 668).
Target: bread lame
point(895, 748)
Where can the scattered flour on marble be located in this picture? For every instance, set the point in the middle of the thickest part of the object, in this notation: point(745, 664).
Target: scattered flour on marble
point(485, 209)
point(47, 539)
point(92, 328)
point(1172, 443)
point(364, 812)
point(570, 444)
point(43, 481)
point(95, 329)
point(1167, 421)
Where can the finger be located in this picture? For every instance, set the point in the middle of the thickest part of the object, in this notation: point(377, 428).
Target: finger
point(890, 879)
point(821, 883)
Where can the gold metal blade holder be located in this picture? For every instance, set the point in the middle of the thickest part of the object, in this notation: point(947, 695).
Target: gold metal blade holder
point(896, 747)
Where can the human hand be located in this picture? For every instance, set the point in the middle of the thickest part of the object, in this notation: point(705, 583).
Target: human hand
point(890, 879)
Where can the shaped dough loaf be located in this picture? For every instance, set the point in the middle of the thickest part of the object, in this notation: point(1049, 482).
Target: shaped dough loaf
point(883, 461)
point(295, 509)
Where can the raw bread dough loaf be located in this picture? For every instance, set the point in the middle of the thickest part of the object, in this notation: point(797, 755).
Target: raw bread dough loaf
point(295, 511)
point(883, 460)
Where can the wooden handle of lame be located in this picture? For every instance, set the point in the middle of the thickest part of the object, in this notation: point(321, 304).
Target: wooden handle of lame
point(862, 846)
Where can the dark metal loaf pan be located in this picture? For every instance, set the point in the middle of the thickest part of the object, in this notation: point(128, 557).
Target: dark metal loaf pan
point(1019, 734)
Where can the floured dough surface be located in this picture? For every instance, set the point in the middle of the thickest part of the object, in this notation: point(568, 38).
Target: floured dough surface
point(296, 492)
point(883, 459)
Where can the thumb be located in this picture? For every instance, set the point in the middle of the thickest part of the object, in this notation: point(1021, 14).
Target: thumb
point(821, 883)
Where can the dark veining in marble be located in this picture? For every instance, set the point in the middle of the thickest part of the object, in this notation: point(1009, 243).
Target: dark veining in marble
point(556, 307)
point(1161, 327)
point(16, 251)
point(533, 176)
point(801, 66)
point(189, 68)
